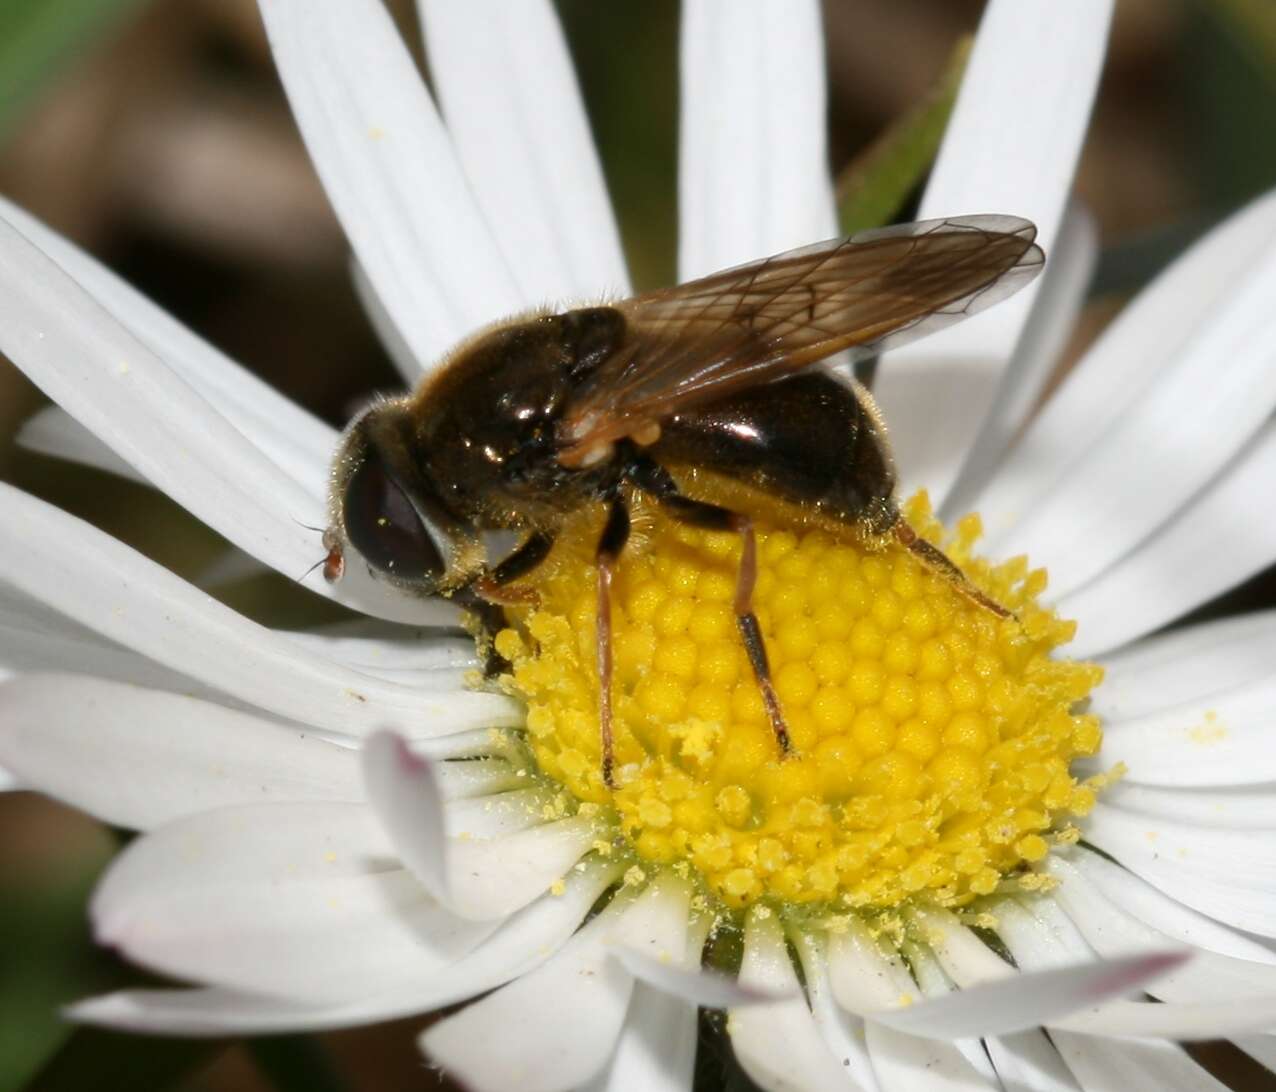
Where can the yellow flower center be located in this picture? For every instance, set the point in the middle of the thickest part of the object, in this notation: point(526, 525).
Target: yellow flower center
point(932, 740)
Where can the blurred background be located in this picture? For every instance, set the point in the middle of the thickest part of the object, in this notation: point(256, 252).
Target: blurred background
point(154, 133)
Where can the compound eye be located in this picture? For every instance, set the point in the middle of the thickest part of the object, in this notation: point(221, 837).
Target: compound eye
point(386, 529)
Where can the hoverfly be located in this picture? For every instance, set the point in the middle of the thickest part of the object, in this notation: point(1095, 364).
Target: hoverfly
point(535, 417)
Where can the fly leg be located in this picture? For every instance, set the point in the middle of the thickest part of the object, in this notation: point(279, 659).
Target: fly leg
point(610, 544)
point(489, 620)
point(487, 596)
point(529, 553)
point(937, 561)
point(652, 478)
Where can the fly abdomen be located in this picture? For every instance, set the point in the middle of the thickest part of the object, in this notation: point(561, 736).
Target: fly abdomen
point(811, 440)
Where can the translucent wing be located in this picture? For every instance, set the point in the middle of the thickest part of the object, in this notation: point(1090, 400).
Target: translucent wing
point(700, 341)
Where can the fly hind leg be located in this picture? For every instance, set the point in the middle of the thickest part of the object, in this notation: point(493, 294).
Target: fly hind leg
point(610, 544)
point(937, 561)
point(656, 481)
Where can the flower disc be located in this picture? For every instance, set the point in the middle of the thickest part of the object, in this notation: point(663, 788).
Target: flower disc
point(932, 740)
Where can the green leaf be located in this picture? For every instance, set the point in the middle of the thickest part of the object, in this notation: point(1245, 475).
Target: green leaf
point(37, 37)
point(874, 186)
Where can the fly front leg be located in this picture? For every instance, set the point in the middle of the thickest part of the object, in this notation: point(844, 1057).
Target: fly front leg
point(486, 597)
point(489, 620)
point(493, 585)
point(655, 480)
point(610, 544)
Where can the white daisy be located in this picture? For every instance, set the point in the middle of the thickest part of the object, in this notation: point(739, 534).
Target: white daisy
point(300, 895)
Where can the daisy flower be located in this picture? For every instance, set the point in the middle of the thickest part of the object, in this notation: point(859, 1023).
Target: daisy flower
point(975, 842)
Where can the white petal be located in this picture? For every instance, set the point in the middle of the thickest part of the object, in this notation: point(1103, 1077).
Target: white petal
point(294, 900)
point(493, 878)
point(779, 1044)
point(558, 1024)
point(1184, 664)
point(495, 816)
point(898, 1059)
point(479, 743)
point(843, 1033)
point(1126, 360)
point(405, 795)
point(1029, 1062)
point(1230, 875)
point(520, 944)
point(398, 653)
point(33, 639)
point(657, 925)
point(1047, 936)
point(1262, 1048)
point(657, 1045)
point(706, 988)
point(509, 95)
point(252, 844)
point(1045, 939)
point(1045, 336)
point(109, 587)
point(966, 959)
point(1185, 1022)
point(408, 791)
point(1025, 1000)
point(213, 1012)
point(1222, 739)
point(114, 384)
point(390, 171)
point(475, 743)
point(1187, 562)
point(230, 567)
point(1224, 809)
point(136, 758)
point(994, 999)
point(1207, 977)
point(393, 342)
point(467, 785)
point(1034, 68)
point(753, 176)
point(1210, 996)
point(424, 680)
point(936, 984)
point(866, 976)
point(656, 1051)
point(53, 431)
point(334, 940)
point(1121, 1065)
point(294, 439)
point(476, 878)
point(1209, 398)
point(1162, 913)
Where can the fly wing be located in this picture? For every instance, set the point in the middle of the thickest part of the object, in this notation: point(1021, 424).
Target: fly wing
point(698, 342)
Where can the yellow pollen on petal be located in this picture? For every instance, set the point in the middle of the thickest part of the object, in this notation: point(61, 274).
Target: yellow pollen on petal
point(932, 740)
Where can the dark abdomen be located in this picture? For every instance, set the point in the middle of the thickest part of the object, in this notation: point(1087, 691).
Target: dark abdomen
point(808, 440)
